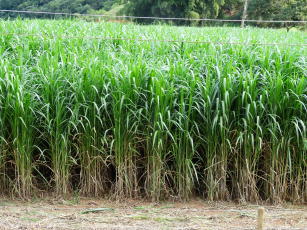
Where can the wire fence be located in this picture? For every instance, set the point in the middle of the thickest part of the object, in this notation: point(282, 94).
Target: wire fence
point(150, 40)
point(148, 18)
point(146, 39)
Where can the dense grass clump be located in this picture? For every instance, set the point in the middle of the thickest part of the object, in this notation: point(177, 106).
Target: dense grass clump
point(152, 119)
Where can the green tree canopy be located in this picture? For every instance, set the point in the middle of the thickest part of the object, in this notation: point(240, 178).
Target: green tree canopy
point(175, 8)
point(71, 6)
point(278, 9)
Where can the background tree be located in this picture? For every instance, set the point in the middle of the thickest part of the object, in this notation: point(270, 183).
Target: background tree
point(9, 4)
point(278, 9)
point(175, 8)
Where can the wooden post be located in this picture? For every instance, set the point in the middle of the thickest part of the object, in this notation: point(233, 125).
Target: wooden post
point(260, 219)
point(244, 15)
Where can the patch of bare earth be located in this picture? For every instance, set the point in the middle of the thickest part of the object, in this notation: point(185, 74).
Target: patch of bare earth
point(132, 215)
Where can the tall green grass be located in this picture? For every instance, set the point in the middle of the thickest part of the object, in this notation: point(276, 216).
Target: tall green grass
point(130, 118)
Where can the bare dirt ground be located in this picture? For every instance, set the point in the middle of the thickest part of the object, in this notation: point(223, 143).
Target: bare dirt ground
point(135, 215)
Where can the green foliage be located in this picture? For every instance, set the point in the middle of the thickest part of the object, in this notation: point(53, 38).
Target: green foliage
point(279, 9)
point(10, 4)
point(69, 6)
point(134, 118)
point(175, 8)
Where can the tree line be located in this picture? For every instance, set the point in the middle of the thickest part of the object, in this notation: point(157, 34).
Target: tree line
point(67, 6)
point(226, 9)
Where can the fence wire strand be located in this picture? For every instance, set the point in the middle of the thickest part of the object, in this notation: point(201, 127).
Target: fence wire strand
point(148, 18)
point(150, 40)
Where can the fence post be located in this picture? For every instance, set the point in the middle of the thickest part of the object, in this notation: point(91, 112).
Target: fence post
point(260, 220)
point(244, 15)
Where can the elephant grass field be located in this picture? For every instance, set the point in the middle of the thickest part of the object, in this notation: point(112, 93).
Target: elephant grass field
point(143, 118)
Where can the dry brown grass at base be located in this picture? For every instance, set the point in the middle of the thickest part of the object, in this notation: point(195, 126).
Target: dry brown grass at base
point(140, 214)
